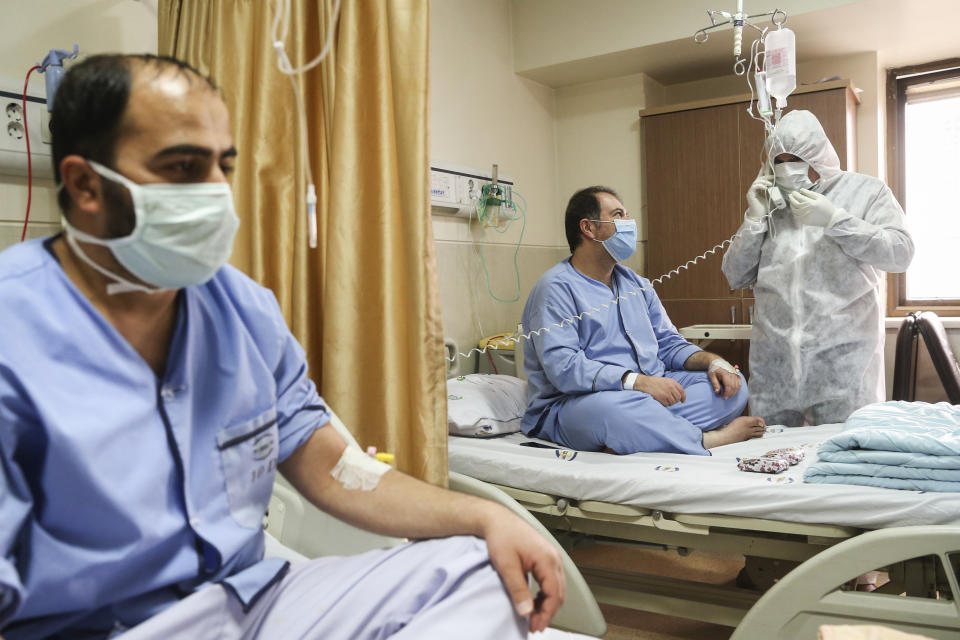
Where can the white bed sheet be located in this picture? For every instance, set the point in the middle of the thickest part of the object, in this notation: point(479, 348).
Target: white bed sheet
point(702, 484)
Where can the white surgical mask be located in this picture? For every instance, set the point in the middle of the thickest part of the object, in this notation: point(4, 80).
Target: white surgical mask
point(183, 233)
point(623, 242)
point(792, 175)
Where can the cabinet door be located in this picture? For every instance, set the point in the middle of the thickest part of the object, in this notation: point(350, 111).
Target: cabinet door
point(687, 312)
point(692, 186)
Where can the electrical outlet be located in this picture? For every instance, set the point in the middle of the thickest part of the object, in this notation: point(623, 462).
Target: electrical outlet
point(14, 112)
point(13, 143)
point(15, 130)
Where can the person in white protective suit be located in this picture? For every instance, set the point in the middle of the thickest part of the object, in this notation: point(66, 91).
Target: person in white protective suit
point(815, 265)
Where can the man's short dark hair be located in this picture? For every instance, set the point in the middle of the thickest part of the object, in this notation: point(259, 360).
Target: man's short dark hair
point(88, 108)
point(583, 204)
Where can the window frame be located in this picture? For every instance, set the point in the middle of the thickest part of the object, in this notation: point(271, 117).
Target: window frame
point(896, 92)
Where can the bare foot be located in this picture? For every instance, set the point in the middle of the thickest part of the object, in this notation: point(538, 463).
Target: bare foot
point(740, 429)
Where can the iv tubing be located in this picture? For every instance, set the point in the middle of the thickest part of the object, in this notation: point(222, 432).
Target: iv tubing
point(280, 32)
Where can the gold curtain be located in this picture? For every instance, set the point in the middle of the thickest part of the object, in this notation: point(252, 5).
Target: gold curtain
point(363, 304)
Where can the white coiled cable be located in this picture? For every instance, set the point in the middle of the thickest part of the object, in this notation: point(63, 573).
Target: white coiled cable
point(516, 339)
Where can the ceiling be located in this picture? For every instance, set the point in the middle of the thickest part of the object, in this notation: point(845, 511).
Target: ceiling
point(903, 32)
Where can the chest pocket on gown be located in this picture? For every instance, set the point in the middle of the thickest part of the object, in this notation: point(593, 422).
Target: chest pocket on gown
point(248, 453)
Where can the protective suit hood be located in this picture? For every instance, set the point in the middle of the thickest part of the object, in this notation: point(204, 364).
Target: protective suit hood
point(801, 134)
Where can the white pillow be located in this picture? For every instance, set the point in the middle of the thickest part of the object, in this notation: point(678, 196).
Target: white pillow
point(482, 405)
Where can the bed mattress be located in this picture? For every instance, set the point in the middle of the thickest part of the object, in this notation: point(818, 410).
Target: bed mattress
point(689, 484)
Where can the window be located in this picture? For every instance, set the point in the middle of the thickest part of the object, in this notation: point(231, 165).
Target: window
point(923, 114)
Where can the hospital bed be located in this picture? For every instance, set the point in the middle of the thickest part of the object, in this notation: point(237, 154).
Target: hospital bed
point(802, 542)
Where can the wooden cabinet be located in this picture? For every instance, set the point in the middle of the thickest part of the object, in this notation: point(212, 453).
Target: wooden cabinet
point(699, 160)
point(691, 198)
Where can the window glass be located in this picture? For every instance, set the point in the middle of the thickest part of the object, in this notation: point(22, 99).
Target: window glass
point(931, 152)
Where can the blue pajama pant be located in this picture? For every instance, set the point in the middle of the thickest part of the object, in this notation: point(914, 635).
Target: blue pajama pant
point(633, 421)
point(443, 588)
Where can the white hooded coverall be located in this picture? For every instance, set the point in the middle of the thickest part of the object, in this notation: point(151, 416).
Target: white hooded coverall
point(816, 350)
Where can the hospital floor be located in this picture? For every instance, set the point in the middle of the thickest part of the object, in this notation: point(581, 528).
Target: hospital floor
point(628, 624)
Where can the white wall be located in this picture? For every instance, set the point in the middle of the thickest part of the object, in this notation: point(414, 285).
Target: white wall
point(482, 113)
point(598, 137)
point(725, 85)
point(98, 26)
point(861, 68)
point(598, 142)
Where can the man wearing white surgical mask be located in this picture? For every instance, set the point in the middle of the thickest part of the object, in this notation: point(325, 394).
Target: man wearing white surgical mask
point(815, 265)
point(610, 372)
point(149, 393)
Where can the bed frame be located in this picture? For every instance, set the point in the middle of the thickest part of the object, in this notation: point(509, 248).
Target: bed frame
point(801, 567)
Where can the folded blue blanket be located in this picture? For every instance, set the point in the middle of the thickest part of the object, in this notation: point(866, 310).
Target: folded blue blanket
point(895, 445)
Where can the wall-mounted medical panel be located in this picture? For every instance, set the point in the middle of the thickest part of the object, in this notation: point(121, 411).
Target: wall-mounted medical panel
point(455, 190)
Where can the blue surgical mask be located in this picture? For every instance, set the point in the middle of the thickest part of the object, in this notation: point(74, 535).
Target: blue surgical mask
point(623, 242)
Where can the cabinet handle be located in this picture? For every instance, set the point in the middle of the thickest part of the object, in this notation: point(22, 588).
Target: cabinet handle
point(751, 314)
point(733, 314)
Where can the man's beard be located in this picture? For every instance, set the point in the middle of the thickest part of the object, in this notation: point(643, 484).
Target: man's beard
point(121, 217)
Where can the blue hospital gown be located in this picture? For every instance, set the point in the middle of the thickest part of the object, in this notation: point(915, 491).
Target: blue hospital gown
point(576, 395)
point(121, 493)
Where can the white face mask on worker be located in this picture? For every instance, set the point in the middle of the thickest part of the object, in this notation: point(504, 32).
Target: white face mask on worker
point(183, 233)
point(792, 175)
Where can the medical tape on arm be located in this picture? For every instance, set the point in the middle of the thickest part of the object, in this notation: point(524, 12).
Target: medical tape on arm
point(357, 470)
point(720, 363)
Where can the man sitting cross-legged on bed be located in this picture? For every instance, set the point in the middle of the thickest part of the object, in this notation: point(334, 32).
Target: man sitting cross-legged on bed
point(620, 377)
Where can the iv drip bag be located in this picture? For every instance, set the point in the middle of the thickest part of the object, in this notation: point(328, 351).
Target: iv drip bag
point(780, 64)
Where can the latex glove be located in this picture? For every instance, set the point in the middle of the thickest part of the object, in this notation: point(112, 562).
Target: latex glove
point(812, 208)
point(756, 201)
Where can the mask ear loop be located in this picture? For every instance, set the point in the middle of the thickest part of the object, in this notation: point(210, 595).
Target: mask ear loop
point(72, 235)
point(615, 231)
point(132, 188)
point(119, 284)
point(597, 222)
